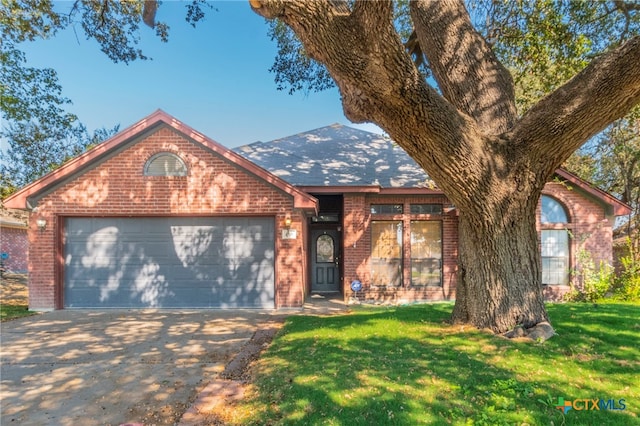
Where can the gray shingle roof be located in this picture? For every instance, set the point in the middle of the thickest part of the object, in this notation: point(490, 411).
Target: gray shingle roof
point(337, 155)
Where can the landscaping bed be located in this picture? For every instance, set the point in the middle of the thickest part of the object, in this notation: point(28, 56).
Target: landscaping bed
point(14, 296)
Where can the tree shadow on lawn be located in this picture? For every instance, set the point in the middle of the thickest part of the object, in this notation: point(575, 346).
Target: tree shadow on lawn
point(406, 366)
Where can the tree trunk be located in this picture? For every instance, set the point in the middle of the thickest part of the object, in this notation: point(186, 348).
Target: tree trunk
point(499, 284)
point(491, 163)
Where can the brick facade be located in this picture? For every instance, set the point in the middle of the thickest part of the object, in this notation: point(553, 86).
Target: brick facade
point(214, 187)
point(109, 181)
point(357, 248)
point(589, 227)
point(14, 242)
point(590, 231)
point(117, 187)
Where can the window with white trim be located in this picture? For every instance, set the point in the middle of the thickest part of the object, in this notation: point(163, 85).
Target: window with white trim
point(554, 243)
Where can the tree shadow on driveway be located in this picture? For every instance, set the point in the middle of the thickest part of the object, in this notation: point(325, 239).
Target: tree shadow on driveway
point(74, 367)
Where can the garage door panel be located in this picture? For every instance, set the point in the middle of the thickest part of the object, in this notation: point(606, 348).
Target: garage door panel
point(169, 262)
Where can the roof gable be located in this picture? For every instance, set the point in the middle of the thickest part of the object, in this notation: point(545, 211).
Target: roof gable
point(618, 207)
point(136, 132)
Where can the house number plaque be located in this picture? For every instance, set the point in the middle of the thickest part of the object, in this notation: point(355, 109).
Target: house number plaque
point(289, 234)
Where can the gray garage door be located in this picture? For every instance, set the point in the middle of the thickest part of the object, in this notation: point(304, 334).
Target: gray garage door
point(169, 262)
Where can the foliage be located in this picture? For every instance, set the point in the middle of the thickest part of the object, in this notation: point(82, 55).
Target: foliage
point(542, 42)
point(41, 133)
point(627, 284)
point(296, 71)
point(612, 162)
point(600, 283)
point(292, 67)
point(404, 365)
point(22, 20)
point(36, 125)
point(36, 149)
point(113, 24)
point(30, 94)
point(546, 42)
point(595, 281)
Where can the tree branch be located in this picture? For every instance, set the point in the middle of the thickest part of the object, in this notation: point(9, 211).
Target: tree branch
point(466, 69)
point(149, 12)
point(379, 82)
point(606, 90)
point(365, 56)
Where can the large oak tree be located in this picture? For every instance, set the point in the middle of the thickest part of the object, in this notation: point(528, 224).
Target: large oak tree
point(491, 162)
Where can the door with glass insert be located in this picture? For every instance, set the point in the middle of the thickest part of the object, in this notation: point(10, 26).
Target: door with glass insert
point(325, 261)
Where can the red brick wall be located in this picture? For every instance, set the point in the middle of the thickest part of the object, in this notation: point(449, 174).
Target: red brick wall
point(357, 247)
point(213, 187)
point(14, 242)
point(590, 229)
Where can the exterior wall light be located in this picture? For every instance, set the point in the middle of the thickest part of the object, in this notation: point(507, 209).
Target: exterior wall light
point(42, 224)
point(287, 232)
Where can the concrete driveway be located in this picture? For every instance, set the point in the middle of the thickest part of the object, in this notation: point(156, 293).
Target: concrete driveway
point(77, 367)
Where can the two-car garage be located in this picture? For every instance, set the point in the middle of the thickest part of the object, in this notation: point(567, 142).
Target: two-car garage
point(168, 262)
point(161, 216)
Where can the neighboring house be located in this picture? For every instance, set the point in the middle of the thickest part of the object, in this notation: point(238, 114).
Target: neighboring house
point(162, 216)
point(14, 243)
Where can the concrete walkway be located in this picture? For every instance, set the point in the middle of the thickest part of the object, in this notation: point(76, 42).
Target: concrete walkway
point(76, 367)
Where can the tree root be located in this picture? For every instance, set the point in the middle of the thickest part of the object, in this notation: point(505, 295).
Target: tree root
point(538, 333)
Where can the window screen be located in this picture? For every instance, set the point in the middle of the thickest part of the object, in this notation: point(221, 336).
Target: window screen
point(426, 253)
point(555, 257)
point(165, 164)
point(386, 253)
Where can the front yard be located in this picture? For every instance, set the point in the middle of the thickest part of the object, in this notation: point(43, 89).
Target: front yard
point(405, 366)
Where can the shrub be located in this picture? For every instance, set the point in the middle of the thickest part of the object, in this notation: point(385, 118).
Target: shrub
point(596, 282)
point(627, 284)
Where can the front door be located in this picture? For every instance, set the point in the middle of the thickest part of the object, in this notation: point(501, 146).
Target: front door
point(325, 260)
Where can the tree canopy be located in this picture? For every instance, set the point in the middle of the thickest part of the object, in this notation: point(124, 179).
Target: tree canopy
point(543, 43)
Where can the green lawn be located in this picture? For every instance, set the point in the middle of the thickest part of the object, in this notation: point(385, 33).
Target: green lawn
point(405, 366)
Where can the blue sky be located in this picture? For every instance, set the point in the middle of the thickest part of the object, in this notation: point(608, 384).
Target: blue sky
point(214, 78)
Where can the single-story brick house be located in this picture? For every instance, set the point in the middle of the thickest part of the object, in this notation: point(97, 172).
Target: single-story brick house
point(160, 215)
point(14, 243)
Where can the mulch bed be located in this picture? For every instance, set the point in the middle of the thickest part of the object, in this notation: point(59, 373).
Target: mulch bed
point(13, 289)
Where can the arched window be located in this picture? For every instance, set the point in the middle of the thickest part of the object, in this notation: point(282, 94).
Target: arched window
point(165, 164)
point(552, 211)
point(554, 242)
